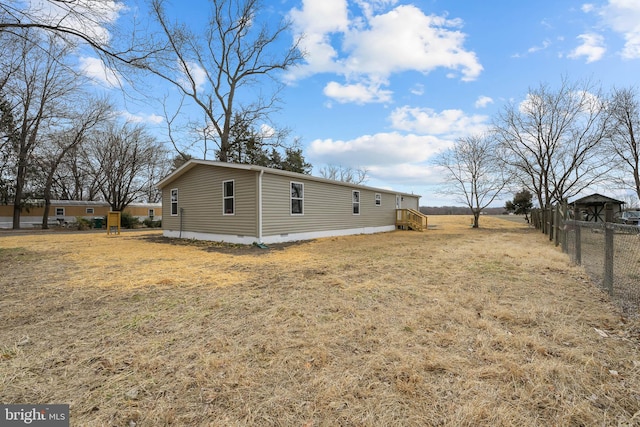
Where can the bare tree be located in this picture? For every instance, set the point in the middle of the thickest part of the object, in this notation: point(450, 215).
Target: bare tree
point(625, 108)
point(237, 51)
point(473, 172)
point(90, 22)
point(9, 61)
point(68, 138)
point(552, 139)
point(36, 90)
point(345, 174)
point(7, 140)
point(73, 180)
point(120, 158)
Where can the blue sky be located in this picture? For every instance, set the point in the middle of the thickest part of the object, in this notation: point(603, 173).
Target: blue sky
point(387, 84)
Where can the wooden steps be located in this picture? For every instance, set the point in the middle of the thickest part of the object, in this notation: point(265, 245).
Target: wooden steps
point(411, 219)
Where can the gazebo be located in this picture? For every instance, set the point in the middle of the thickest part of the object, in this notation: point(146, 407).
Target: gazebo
point(591, 207)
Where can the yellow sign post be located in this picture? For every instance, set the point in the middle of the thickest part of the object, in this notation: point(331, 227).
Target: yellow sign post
point(113, 223)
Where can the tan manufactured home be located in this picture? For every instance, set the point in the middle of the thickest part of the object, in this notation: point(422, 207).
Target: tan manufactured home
point(66, 212)
point(245, 204)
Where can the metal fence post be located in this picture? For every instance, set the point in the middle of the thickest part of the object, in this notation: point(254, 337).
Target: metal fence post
point(608, 248)
point(556, 226)
point(564, 218)
point(550, 225)
point(578, 254)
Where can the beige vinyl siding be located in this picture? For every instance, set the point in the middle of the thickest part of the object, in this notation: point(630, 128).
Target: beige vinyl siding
point(77, 209)
point(327, 206)
point(140, 211)
point(70, 210)
point(200, 197)
point(410, 202)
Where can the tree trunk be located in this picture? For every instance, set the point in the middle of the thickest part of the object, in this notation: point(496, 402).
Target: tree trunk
point(47, 202)
point(476, 219)
point(45, 214)
point(17, 201)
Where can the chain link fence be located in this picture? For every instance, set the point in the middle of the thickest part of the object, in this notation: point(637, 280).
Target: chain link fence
point(609, 252)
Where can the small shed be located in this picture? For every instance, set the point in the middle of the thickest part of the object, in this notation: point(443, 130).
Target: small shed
point(591, 207)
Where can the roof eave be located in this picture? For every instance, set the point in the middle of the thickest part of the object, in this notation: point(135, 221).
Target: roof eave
point(194, 162)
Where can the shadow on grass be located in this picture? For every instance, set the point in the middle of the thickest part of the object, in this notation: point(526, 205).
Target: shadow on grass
point(219, 247)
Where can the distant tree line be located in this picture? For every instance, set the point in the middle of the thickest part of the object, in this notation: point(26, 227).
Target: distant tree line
point(459, 210)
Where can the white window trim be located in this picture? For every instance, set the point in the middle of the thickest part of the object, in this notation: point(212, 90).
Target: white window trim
point(89, 211)
point(233, 197)
point(353, 202)
point(291, 199)
point(56, 211)
point(151, 212)
point(377, 199)
point(171, 201)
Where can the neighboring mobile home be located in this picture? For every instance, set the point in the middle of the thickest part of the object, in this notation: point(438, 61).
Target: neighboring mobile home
point(246, 204)
point(66, 211)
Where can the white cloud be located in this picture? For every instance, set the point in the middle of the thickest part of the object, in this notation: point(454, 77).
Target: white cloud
point(267, 131)
point(381, 149)
point(417, 89)
point(141, 117)
point(376, 44)
point(623, 17)
point(89, 17)
point(96, 70)
point(317, 21)
point(400, 156)
point(587, 7)
point(545, 44)
point(197, 73)
point(321, 17)
point(358, 93)
point(406, 173)
point(369, 7)
point(592, 48)
point(407, 39)
point(448, 123)
point(483, 101)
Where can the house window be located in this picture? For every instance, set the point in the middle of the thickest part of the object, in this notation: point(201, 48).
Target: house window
point(174, 201)
point(297, 198)
point(151, 213)
point(228, 198)
point(59, 211)
point(378, 199)
point(356, 202)
point(89, 211)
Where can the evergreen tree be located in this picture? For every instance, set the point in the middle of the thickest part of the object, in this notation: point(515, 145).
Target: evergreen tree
point(248, 146)
point(521, 204)
point(294, 161)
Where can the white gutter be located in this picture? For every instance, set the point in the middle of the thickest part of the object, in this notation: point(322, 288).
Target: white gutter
point(260, 206)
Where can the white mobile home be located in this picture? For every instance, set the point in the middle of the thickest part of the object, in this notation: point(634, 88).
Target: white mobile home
point(240, 203)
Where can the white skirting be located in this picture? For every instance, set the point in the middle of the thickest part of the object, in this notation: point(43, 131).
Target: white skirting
point(278, 238)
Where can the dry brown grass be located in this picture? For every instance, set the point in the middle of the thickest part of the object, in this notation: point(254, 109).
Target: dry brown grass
point(453, 326)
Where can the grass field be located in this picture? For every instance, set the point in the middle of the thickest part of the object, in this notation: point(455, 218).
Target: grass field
point(451, 327)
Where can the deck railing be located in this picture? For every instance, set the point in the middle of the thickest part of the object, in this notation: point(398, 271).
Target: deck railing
point(411, 219)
